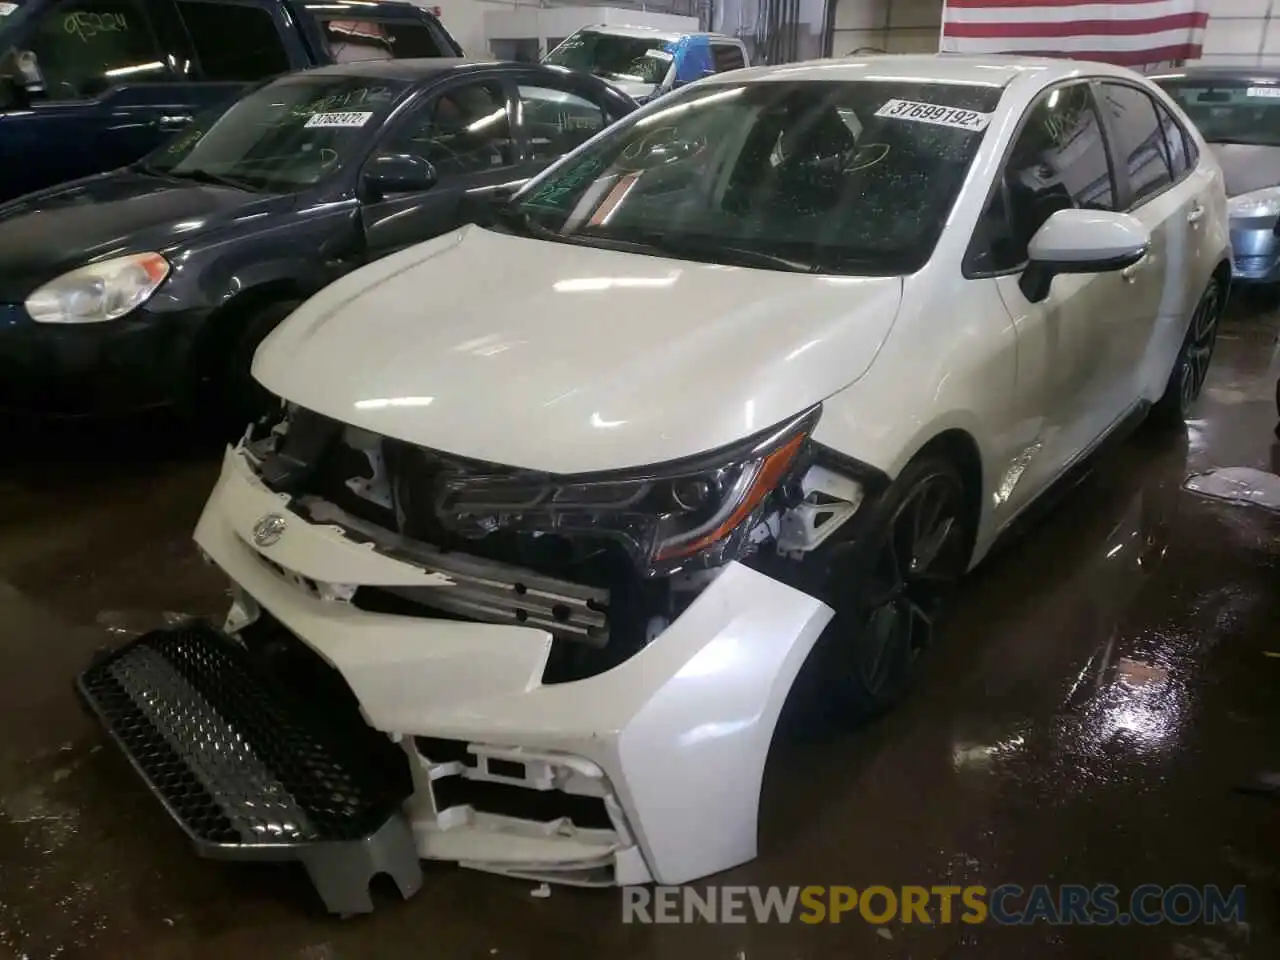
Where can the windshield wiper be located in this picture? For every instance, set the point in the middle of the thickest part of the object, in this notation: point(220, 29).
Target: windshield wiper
point(206, 176)
point(1239, 143)
point(708, 251)
point(517, 221)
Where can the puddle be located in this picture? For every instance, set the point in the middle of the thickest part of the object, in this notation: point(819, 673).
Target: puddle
point(1238, 485)
point(134, 623)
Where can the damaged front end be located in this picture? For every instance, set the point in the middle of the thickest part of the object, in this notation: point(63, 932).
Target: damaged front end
point(603, 562)
point(580, 674)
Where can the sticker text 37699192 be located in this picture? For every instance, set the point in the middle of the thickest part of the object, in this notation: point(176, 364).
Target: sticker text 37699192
point(932, 113)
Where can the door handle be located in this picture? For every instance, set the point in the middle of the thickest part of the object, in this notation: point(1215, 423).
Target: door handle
point(175, 121)
point(1195, 214)
point(1129, 273)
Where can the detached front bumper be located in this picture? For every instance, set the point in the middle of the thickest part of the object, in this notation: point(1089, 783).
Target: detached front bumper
point(649, 771)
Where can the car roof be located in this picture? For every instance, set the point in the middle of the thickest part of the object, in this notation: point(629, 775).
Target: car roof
point(654, 33)
point(413, 70)
point(1219, 73)
point(993, 70)
point(330, 6)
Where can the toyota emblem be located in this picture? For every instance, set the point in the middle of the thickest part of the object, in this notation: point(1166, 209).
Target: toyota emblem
point(268, 530)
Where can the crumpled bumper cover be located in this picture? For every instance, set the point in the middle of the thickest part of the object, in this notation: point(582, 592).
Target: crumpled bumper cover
point(670, 745)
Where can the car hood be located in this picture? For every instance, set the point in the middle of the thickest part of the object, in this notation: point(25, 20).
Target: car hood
point(567, 358)
point(47, 233)
point(1246, 167)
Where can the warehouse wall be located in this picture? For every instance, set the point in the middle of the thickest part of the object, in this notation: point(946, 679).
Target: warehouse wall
point(465, 18)
point(1240, 31)
point(1245, 32)
point(894, 26)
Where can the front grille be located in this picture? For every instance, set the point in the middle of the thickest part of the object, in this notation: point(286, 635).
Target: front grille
point(249, 768)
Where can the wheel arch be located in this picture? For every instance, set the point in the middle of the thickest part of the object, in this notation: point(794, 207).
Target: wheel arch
point(1222, 273)
point(220, 329)
point(960, 448)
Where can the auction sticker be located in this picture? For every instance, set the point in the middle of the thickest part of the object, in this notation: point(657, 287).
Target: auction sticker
point(338, 119)
point(7, 8)
point(1263, 92)
point(932, 113)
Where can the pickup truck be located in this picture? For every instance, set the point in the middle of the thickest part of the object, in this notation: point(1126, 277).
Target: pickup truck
point(90, 85)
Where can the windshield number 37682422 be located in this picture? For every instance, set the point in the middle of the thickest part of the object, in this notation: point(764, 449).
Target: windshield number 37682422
point(933, 113)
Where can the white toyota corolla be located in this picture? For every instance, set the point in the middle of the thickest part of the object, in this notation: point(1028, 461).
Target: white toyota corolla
point(564, 501)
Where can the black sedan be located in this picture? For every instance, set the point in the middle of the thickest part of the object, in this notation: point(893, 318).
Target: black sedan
point(153, 285)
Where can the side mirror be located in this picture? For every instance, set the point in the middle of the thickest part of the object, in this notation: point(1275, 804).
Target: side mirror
point(398, 173)
point(1081, 241)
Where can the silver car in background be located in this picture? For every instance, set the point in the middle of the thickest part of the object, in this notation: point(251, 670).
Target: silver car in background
point(1237, 110)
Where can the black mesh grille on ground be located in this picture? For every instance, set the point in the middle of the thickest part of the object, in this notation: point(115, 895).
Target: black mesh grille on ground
point(238, 757)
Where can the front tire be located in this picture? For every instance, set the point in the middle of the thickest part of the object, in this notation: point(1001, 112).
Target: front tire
point(231, 397)
point(1191, 369)
point(891, 587)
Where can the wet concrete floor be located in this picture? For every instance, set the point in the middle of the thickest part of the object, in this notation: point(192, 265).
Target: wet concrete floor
point(1104, 686)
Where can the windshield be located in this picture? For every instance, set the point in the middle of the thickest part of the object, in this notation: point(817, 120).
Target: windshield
point(636, 59)
point(843, 177)
point(287, 135)
point(1230, 111)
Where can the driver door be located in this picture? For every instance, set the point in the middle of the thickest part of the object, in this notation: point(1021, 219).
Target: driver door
point(1065, 343)
point(464, 130)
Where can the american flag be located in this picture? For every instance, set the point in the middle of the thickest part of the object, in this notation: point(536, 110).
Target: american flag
point(1132, 33)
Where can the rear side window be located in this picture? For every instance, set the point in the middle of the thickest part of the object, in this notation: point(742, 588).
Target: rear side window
point(352, 41)
point(1058, 162)
point(1140, 142)
point(85, 47)
point(727, 56)
point(234, 42)
point(1176, 142)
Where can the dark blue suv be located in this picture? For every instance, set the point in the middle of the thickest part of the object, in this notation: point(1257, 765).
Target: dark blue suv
point(90, 85)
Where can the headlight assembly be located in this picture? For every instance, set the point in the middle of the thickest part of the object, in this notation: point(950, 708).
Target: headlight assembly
point(1259, 203)
point(100, 291)
point(695, 512)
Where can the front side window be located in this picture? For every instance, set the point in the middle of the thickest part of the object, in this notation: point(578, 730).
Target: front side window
point(629, 59)
point(234, 43)
point(1058, 162)
point(1140, 142)
point(462, 131)
point(284, 136)
point(85, 47)
point(352, 41)
point(847, 177)
point(1230, 111)
point(556, 121)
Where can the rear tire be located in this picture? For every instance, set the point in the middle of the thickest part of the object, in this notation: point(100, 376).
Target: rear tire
point(893, 584)
point(1191, 368)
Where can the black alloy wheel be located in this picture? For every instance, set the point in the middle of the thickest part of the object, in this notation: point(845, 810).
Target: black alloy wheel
point(1192, 366)
point(893, 591)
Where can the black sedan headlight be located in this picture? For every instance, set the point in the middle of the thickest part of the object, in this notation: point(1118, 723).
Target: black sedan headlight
point(695, 512)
